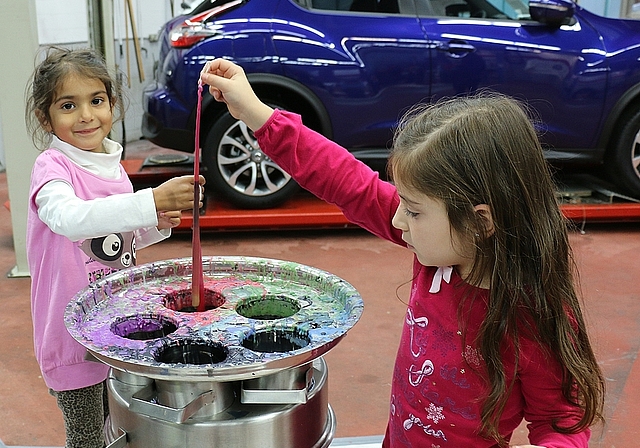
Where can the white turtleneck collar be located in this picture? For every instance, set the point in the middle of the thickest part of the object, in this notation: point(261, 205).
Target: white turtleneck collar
point(104, 164)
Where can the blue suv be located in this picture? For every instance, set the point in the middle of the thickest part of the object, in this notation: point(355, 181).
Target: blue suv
point(352, 67)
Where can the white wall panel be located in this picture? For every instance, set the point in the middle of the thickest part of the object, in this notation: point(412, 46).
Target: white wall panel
point(62, 21)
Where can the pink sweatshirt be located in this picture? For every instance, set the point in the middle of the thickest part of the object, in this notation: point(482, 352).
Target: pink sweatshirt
point(438, 380)
point(60, 268)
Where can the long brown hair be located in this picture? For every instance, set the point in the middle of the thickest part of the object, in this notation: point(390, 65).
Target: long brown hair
point(48, 77)
point(484, 150)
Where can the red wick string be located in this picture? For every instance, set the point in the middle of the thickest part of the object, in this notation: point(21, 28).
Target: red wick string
point(197, 277)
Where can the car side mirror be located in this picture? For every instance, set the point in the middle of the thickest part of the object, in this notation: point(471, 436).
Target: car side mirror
point(551, 12)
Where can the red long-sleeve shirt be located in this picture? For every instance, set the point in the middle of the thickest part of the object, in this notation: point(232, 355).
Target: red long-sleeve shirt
point(439, 380)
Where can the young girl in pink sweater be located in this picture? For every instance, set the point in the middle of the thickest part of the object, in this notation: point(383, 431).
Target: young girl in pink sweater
point(84, 221)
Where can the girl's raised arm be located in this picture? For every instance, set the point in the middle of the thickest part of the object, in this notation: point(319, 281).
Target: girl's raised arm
point(228, 84)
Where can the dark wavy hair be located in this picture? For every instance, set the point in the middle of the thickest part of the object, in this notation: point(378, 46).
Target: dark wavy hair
point(49, 75)
point(484, 149)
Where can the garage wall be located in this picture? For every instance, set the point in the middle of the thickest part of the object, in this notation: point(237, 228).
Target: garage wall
point(65, 23)
point(19, 21)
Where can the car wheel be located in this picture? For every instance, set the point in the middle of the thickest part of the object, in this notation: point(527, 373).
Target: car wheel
point(623, 160)
point(239, 170)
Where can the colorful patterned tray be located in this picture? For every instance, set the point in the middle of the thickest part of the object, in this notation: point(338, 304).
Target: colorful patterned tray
point(262, 316)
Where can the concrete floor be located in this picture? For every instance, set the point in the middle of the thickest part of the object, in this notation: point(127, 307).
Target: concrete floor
point(360, 365)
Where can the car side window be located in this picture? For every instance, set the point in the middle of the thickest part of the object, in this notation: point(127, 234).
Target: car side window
point(383, 6)
point(493, 9)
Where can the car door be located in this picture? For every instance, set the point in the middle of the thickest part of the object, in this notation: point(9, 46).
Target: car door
point(491, 44)
point(365, 60)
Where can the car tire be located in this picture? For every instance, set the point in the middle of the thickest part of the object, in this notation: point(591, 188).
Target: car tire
point(623, 160)
point(239, 171)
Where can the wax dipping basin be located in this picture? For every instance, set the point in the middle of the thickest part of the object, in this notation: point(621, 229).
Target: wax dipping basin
point(246, 372)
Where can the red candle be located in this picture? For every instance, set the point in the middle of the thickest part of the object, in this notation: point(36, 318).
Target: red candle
point(197, 277)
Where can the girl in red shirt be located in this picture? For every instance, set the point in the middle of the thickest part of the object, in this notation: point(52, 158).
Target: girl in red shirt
point(494, 333)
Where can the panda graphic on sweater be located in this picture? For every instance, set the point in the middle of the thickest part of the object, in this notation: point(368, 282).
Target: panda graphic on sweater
point(116, 250)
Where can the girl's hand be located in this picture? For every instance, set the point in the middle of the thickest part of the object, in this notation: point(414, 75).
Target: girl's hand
point(228, 84)
point(169, 220)
point(177, 194)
